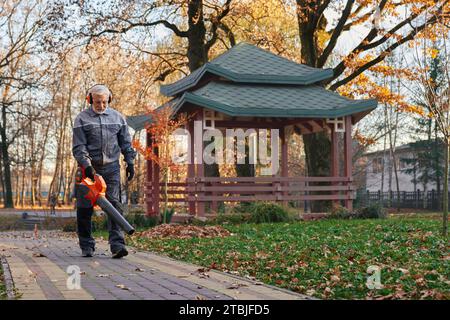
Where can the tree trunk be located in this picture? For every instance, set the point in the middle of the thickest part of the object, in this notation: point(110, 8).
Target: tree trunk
point(17, 188)
point(59, 157)
point(33, 180)
point(2, 182)
point(41, 161)
point(24, 171)
point(445, 204)
point(394, 160)
point(8, 198)
point(197, 55)
point(317, 150)
point(437, 164)
point(317, 145)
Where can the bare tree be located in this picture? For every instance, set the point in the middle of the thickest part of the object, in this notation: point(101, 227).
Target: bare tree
point(18, 44)
point(432, 89)
point(379, 41)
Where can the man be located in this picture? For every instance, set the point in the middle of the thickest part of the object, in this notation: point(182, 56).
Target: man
point(100, 134)
point(53, 203)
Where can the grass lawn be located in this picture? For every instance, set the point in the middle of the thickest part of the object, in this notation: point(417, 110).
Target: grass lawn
point(3, 294)
point(329, 258)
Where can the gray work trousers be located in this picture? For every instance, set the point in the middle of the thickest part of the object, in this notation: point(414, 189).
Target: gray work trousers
point(111, 174)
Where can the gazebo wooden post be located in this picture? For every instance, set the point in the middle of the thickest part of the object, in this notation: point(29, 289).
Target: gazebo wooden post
point(155, 184)
point(284, 163)
point(200, 166)
point(149, 188)
point(334, 165)
point(191, 168)
point(348, 160)
point(214, 208)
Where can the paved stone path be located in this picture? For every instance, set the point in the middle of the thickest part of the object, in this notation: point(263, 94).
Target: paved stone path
point(39, 269)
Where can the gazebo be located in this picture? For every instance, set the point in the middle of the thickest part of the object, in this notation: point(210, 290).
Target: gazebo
point(251, 88)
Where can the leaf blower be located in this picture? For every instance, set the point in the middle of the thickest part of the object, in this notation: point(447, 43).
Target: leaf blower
point(94, 191)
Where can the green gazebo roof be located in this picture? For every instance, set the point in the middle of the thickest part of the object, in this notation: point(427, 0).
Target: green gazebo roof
point(236, 99)
point(245, 63)
point(139, 122)
point(249, 81)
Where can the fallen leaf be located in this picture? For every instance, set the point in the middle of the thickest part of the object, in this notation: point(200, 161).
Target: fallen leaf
point(335, 278)
point(38, 255)
point(32, 274)
point(404, 271)
point(121, 286)
point(236, 285)
point(310, 292)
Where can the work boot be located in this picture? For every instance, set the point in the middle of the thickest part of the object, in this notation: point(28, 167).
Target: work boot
point(119, 254)
point(88, 252)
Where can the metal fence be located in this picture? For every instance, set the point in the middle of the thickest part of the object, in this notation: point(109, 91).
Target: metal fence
point(431, 200)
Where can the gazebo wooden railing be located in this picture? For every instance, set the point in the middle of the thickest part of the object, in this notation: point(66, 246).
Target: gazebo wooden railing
point(195, 192)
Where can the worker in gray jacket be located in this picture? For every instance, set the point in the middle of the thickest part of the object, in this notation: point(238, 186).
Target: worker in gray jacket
point(100, 135)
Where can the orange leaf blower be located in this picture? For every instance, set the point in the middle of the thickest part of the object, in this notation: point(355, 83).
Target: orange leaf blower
point(94, 191)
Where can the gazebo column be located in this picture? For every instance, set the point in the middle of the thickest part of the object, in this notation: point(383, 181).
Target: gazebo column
point(284, 161)
point(149, 180)
point(191, 167)
point(155, 183)
point(200, 166)
point(334, 165)
point(348, 159)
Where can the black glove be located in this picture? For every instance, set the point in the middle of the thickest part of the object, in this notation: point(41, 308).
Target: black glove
point(130, 172)
point(90, 172)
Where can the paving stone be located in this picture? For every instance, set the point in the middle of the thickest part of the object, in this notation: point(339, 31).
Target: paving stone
point(161, 279)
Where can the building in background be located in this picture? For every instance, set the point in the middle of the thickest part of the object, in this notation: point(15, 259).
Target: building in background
point(419, 167)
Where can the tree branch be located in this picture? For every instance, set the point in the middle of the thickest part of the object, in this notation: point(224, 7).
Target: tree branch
point(133, 25)
point(383, 54)
point(320, 11)
point(215, 24)
point(365, 44)
point(336, 33)
point(357, 20)
point(229, 33)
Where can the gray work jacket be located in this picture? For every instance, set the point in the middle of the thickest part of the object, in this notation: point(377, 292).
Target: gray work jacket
point(98, 139)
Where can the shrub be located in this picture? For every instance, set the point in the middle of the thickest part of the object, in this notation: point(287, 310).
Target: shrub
point(99, 223)
point(340, 212)
point(232, 218)
point(9, 222)
point(70, 226)
point(268, 212)
point(142, 220)
point(168, 213)
point(244, 207)
point(374, 211)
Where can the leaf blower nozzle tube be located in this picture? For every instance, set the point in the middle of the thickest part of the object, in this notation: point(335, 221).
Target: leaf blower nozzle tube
point(94, 191)
point(112, 212)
